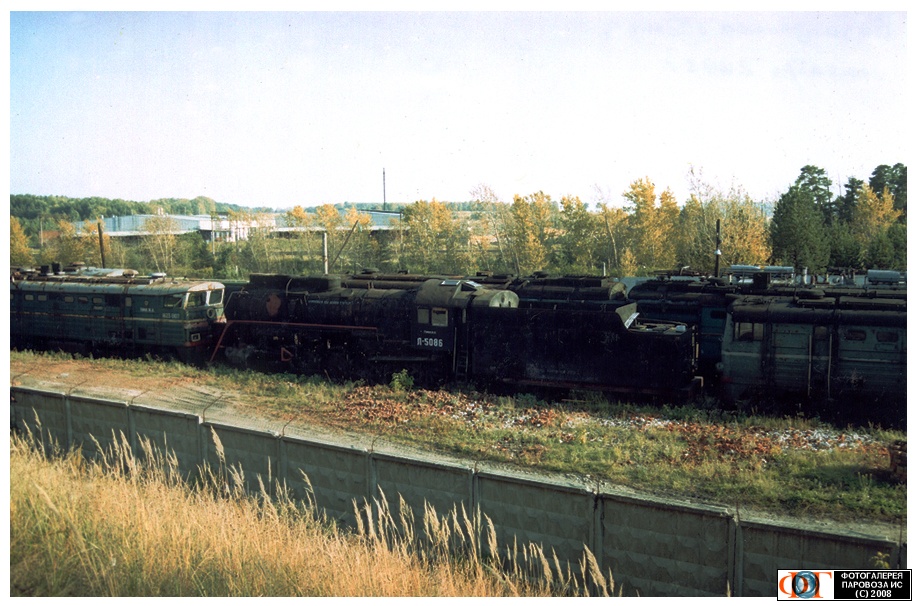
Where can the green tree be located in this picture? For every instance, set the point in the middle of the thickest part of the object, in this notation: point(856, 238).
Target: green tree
point(845, 250)
point(797, 234)
point(815, 182)
point(613, 223)
point(897, 235)
point(842, 207)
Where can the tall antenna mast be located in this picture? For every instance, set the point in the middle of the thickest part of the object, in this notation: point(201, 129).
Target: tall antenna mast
point(384, 206)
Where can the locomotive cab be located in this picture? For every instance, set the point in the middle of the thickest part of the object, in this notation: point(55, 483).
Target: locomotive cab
point(442, 309)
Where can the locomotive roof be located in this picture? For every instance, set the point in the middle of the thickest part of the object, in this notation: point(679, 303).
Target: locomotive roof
point(845, 310)
point(146, 285)
point(461, 293)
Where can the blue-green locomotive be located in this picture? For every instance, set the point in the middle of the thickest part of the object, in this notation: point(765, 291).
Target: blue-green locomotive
point(113, 311)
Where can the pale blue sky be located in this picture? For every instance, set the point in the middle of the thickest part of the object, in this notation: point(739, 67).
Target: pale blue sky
point(277, 109)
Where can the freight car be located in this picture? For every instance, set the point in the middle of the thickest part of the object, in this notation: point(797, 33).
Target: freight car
point(449, 328)
point(115, 311)
point(846, 351)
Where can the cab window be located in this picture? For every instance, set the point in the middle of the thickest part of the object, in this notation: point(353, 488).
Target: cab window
point(748, 331)
point(172, 301)
point(855, 335)
point(440, 317)
point(195, 299)
point(216, 297)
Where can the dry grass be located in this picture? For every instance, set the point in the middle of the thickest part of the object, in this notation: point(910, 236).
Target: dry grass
point(783, 465)
point(115, 526)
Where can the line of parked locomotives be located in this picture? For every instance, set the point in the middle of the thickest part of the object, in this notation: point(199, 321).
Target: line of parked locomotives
point(839, 350)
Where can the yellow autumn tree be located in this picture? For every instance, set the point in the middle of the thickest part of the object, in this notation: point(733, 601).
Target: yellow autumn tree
point(68, 247)
point(531, 231)
point(744, 228)
point(652, 227)
point(435, 241)
point(872, 216)
point(20, 253)
point(613, 225)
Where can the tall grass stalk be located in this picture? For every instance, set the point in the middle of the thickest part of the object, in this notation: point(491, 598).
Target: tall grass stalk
point(127, 524)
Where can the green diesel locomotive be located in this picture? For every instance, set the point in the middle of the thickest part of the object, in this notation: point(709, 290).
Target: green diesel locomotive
point(93, 310)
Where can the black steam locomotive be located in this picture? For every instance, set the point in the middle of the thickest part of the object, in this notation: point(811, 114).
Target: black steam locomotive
point(446, 328)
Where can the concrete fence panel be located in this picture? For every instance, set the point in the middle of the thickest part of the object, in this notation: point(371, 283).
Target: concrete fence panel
point(767, 548)
point(169, 432)
point(420, 483)
point(335, 476)
point(658, 549)
point(557, 518)
point(255, 453)
point(652, 547)
point(93, 420)
point(41, 410)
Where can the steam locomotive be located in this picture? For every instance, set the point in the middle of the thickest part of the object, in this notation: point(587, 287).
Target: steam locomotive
point(446, 328)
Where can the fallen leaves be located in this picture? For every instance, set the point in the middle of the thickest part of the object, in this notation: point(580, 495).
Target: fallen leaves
point(696, 442)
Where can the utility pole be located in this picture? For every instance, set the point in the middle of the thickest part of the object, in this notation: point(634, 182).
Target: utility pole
point(716, 267)
point(384, 205)
point(101, 243)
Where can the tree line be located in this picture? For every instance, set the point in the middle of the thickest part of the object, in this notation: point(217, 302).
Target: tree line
point(865, 227)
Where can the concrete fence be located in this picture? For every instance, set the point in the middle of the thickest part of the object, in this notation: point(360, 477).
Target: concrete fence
point(652, 547)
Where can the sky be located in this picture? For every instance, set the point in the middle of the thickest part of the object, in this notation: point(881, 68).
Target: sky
point(279, 109)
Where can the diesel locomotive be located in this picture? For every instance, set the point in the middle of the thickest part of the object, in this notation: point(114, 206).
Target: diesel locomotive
point(849, 351)
point(93, 310)
point(833, 348)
